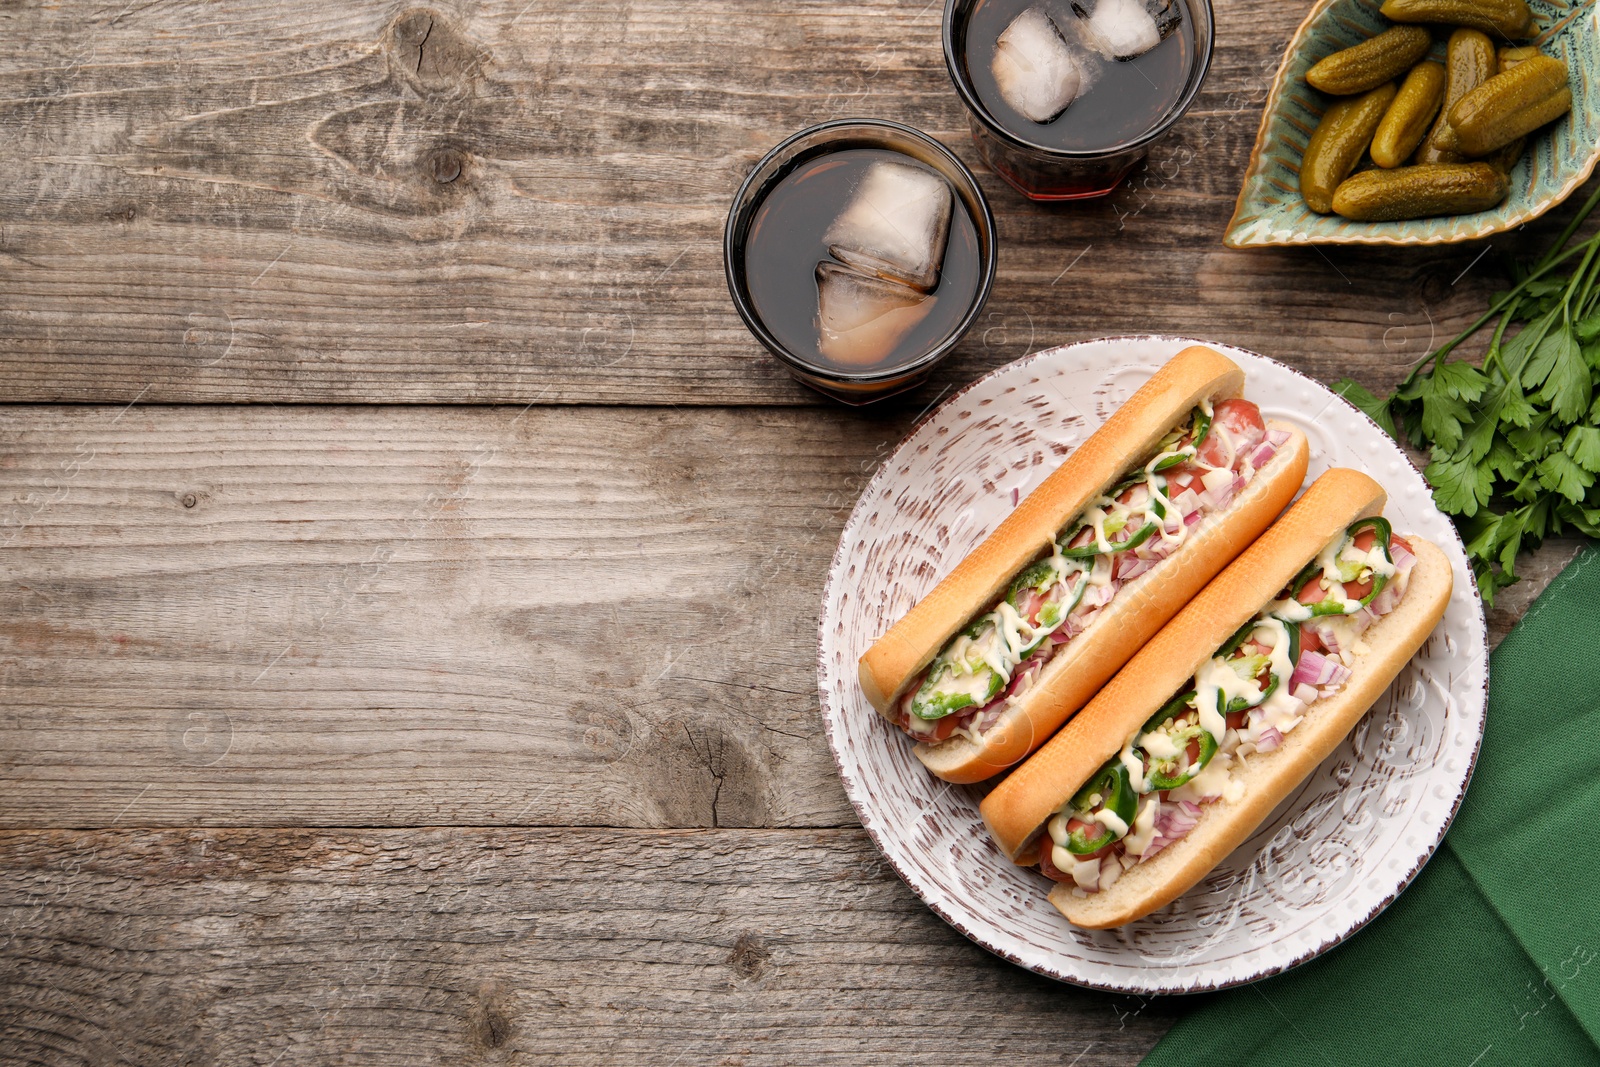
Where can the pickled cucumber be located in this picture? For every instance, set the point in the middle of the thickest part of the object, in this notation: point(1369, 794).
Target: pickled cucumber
point(1509, 105)
point(1510, 57)
point(1370, 63)
point(1407, 120)
point(1503, 159)
point(1336, 146)
point(1420, 192)
point(1469, 61)
point(1509, 18)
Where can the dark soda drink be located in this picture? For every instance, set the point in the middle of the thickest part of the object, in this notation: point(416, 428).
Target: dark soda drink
point(859, 252)
point(1118, 99)
point(1065, 96)
point(795, 273)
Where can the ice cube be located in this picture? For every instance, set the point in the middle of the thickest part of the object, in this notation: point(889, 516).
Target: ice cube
point(1034, 67)
point(896, 225)
point(863, 318)
point(1119, 29)
point(1167, 14)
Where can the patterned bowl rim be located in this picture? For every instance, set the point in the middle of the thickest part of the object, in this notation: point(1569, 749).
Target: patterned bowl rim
point(909, 877)
point(1258, 166)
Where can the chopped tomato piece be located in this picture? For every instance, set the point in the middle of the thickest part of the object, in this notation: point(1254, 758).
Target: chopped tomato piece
point(1245, 428)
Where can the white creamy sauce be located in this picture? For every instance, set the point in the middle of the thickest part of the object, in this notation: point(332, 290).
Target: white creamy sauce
point(1111, 821)
point(1144, 825)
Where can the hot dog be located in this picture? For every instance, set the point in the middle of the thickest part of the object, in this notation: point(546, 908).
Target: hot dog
point(1182, 755)
point(1091, 564)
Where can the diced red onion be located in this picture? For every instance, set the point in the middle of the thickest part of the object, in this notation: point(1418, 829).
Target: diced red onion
point(1263, 455)
point(1317, 670)
point(1270, 739)
point(1383, 603)
point(1171, 825)
point(1187, 502)
point(1305, 693)
point(1403, 560)
point(1135, 567)
point(1218, 498)
point(1193, 517)
point(1110, 871)
point(1277, 437)
point(1325, 634)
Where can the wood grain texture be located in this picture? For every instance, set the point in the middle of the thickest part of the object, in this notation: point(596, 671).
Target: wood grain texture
point(234, 947)
point(505, 201)
point(401, 616)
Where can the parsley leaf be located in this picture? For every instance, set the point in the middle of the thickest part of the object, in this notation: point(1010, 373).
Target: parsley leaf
point(1516, 444)
point(1560, 473)
point(1462, 381)
point(1583, 445)
point(1566, 387)
point(1442, 414)
point(1460, 486)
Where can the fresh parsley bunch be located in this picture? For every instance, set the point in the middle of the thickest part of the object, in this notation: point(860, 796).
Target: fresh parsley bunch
point(1515, 443)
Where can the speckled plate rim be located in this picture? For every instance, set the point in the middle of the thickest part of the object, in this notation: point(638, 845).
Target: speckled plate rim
point(1258, 166)
point(1044, 967)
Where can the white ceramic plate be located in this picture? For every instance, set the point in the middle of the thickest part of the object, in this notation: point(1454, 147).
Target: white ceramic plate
point(1329, 858)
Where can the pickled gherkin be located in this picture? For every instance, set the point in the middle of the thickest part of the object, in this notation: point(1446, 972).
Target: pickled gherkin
point(1469, 62)
point(1420, 192)
point(1510, 57)
point(1509, 105)
point(1508, 18)
point(1338, 144)
point(1372, 62)
point(1408, 117)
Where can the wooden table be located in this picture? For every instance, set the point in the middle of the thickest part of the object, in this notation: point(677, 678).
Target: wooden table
point(408, 601)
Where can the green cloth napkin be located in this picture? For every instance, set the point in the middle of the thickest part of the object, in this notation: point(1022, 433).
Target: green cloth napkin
point(1493, 955)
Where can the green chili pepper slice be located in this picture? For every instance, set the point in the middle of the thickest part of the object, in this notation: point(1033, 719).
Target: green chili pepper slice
point(929, 703)
point(1140, 536)
point(1165, 773)
point(1198, 430)
point(1176, 706)
point(933, 703)
point(1115, 790)
point(1385, 536)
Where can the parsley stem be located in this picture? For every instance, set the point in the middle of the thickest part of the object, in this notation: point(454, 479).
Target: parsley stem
point(1497, 307)
point(1557, 255)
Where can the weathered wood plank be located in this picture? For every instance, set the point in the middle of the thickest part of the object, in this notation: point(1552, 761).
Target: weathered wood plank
point(400, 616)
point(230, 947)
point(510, 202)
point(395, 616)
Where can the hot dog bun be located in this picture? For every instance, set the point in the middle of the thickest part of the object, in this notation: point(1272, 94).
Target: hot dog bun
point(897, 658)
point(1016, 810)
point(1271, 776)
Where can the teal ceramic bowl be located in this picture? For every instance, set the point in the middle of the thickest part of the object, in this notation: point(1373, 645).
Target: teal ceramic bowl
point(1556, 162)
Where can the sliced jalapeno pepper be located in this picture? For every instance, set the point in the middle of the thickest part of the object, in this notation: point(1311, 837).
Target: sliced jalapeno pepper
point(1165, 773)
point(1198, 430)
point(1140, 536)
point(943, 692)
point(1385, 536)
point(933, 704)
point(1176, 706)
point(1241, 703)
point(1115, 791)
point(1037, 576)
